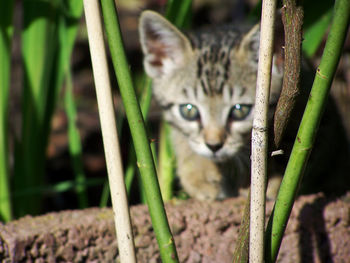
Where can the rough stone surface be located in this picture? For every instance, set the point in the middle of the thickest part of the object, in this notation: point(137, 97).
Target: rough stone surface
point(318, 231)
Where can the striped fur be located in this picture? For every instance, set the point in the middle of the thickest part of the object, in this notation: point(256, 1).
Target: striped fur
point(205, 83)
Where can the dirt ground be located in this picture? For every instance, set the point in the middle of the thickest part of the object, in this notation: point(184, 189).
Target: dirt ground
point(318, 231)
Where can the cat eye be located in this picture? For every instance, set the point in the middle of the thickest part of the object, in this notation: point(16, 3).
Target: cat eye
point(189, 112)
point(239, 112)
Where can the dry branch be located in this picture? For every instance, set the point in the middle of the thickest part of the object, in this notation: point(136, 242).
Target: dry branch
point(292, 17)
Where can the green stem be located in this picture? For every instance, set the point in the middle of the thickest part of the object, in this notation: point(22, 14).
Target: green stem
point(105, 194)
point(307, 130)
point(138, 132)
point(166, 163)
point(6, 32)
point(67, 34)
point(75, 148)
point(145, 103)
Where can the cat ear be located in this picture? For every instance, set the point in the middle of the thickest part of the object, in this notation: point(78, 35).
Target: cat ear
point(249, 46)
point(164, 46)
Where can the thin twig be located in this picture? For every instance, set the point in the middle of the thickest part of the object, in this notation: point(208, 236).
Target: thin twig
point(259, 134)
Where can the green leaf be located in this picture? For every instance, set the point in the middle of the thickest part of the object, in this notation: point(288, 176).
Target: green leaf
point(314, 33)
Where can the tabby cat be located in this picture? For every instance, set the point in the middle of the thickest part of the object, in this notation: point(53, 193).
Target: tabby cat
point(205, 83)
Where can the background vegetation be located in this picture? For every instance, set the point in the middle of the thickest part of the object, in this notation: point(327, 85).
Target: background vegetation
point(50, 147)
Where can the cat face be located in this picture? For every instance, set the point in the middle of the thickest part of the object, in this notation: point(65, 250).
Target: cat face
point(205, 83)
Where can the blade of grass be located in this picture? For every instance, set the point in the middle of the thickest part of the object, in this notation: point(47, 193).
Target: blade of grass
point(75, 148)
point(142, 148)
point(68, 30)
point(105, 195)
point(68, 22)
point(6, 32)
point(47, 40)
point(314, 34)
point(70, 13)
point(68, 27)
point(39, 42)
point(109, 133)
point(178, 12)
point(316, 23)
point(308, 129)
point(70, 185)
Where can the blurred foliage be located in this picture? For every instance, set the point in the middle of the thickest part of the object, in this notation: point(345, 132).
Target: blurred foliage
point(48, 34)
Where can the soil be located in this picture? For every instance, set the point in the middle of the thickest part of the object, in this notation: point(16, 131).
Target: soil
point(318, 231)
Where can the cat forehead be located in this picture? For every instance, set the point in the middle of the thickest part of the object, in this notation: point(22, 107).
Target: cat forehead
point(217, 37)
point(215, 63)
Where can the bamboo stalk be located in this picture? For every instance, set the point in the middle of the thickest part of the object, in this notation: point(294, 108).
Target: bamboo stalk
point(145, 103)
point(109, 133)
point(145, 161)
point(259, 134)
point(308, 127)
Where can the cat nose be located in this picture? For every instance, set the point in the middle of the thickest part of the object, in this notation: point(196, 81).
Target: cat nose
point(214, 147)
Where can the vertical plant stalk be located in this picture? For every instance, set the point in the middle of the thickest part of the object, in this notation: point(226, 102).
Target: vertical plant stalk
point(259, 134)
point(6, 32)
point(145, 103)
point(308, 128)
point(145, 161)
point(68, 23)
point(39, 46)
point(67, 31)
point(109, 133)
point(48, 36)
point(75, 147)
point(292, 16)
point(166, 163)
